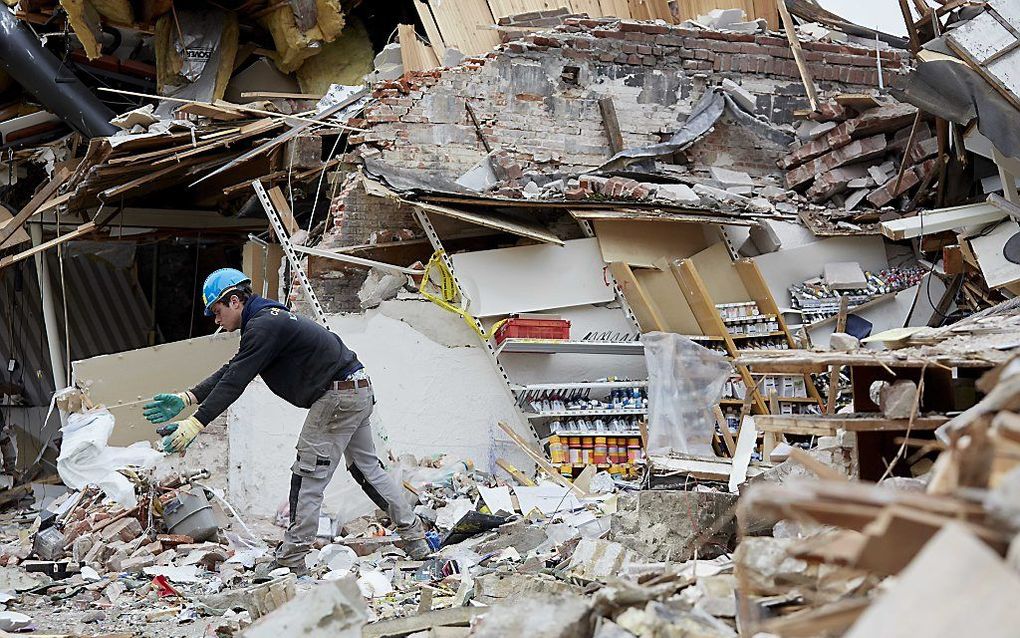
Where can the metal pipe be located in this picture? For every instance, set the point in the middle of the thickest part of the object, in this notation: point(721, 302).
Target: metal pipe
point(49, 312)
point(26, 60)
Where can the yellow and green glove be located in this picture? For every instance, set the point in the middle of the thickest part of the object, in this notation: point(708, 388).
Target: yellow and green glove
point(166, 406)
point(179, 435)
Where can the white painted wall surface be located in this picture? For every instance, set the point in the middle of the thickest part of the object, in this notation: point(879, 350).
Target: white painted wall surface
point(436, 389)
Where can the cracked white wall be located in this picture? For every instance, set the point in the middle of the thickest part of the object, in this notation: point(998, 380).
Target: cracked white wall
point(436, 390)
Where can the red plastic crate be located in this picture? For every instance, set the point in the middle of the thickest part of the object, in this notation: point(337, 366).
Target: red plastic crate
point(520, 328)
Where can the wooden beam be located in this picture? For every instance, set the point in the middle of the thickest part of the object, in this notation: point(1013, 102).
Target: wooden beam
point(34, 204)
point(611, 124)
point(798, 55)
point(84, 229)
point(941, 219)
point(282, 207)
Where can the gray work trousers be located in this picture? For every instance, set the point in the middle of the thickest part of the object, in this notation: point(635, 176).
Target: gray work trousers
point(337, 426)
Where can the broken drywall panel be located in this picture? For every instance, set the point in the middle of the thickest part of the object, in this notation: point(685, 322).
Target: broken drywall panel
point(790, 266)
point(844, 274)
point(996, 269)
point(125, 381)
point(533, 278)
point(647, 243)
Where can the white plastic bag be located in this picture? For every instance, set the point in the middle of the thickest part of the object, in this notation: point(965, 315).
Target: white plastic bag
point(85, 458)
point(685, 381)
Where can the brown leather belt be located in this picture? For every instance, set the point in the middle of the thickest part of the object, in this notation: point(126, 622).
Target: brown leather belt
point(352, 384)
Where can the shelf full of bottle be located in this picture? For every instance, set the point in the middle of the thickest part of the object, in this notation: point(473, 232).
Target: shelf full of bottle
point(790, 390)
point(817, 301)
point(750, 329)
point(618, 455)
point(578, 405)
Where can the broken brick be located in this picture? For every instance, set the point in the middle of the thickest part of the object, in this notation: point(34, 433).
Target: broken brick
point(887, 192)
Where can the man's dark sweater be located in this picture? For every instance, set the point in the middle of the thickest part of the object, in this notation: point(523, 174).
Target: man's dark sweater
point(297, 358)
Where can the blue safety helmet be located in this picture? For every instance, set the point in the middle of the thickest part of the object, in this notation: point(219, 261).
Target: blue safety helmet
point(219, 282)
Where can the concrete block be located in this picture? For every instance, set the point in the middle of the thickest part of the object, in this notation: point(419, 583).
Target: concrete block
point(729, 178)
point(333, 609)
point(842, 342)
point(896, 400)
point(500, 587)
point(679, 193)
point(740, 95)
point(138, 563)
point(566, 616)
point(657, 524)
point(764, 238)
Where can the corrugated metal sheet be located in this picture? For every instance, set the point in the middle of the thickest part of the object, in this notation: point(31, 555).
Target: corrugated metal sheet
point(107, 312)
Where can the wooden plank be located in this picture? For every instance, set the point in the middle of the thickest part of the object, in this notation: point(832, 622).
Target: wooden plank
point(645, 311)
point(540, 460)
point(798, 55)
point(414, 55)
point(649, 243)
point(769, 10)
point(615, 8)
point(282, 207)
point(820, 424)
point(591, 7)
point(650, 10)
point(463, 25)
point(34, 204)
point(824, 471)
point(828, 619)
point(746, 439)
point(428, 21)
point(720, 278)
point(611, 124)
point(513, 226)
point(664, 294)
point(19, 235)
point(514, 472)
point(724, 427)
point(952, 571)
point(940, 220)
point(84, 229)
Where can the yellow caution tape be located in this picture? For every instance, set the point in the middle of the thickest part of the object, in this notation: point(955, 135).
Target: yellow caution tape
point(449, 297)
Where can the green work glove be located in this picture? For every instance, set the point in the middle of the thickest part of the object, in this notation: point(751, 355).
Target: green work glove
point(179, 435)
point(166, 406)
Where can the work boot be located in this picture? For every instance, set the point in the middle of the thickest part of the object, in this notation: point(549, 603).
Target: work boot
point(263, 570)
point(417, 549)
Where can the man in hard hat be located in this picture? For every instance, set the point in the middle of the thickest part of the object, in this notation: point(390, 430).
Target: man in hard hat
point(309, 366)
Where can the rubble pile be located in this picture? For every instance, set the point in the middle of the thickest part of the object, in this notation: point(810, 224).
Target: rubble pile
point(863, 155)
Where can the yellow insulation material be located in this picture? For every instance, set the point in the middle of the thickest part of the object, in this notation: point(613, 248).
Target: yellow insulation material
point(84, 21)
point(115, 11)
point(294, 46)
point(346, 60)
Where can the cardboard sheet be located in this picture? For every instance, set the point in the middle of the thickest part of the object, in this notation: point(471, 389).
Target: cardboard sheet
point(647, 243)
point(126, 381)
point(533, 278)
point(997, 270)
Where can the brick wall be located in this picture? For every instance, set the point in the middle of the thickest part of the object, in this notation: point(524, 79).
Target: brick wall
point(356, 218)
point(735, 146)
point(538, 96)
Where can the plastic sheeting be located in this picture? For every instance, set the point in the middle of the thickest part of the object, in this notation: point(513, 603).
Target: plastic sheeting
point(86, 459)
point(685, 381)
